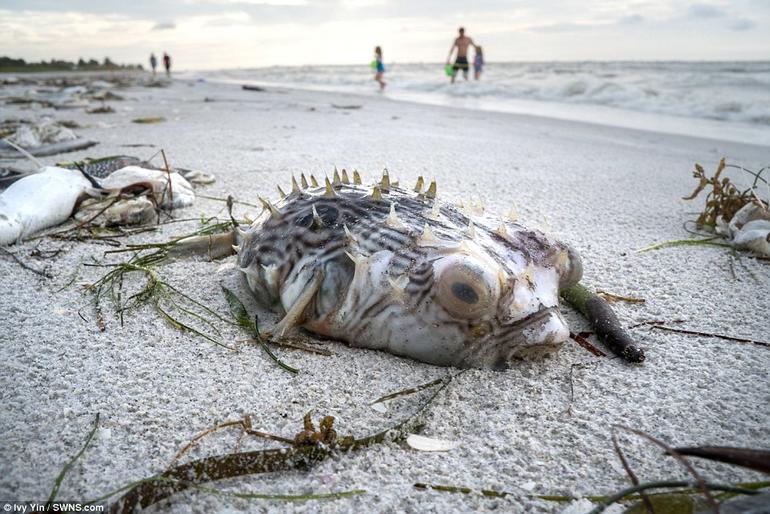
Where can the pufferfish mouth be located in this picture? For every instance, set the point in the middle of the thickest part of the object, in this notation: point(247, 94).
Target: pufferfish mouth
point(533, 337)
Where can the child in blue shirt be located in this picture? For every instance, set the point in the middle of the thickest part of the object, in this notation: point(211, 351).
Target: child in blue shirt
point(380, 67)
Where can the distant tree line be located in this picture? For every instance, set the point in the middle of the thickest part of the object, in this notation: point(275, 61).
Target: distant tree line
point(11, 64)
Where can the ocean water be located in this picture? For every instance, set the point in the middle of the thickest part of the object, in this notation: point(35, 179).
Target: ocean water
point(724, 100)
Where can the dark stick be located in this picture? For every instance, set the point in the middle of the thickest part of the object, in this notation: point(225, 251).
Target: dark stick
point(26, 266)
point(604, 322)
point(758, 460)
point(708, 334)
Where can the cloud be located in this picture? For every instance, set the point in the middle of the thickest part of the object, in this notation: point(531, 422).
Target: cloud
point(741, 24)
point(697, 11)
point(164, 25)
point(560, 27)
point(631, 19)
point(556, 28)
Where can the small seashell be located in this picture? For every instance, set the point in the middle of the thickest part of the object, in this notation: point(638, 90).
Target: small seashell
point(429, 444)
point(379, 407)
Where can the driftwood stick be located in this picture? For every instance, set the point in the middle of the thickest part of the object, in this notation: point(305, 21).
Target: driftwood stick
point(604, 322)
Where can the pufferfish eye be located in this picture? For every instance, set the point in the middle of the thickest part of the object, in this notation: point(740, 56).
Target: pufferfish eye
point(465, 287)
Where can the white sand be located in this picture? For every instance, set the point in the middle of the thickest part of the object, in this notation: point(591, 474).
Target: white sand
point(608, 191)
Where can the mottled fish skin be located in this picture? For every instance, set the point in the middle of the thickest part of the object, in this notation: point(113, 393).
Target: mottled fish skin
point(399, 271)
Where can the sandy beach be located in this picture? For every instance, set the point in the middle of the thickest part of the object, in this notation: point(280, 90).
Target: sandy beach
point(539, 428)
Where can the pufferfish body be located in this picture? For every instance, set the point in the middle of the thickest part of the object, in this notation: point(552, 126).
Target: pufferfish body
point(397, 270)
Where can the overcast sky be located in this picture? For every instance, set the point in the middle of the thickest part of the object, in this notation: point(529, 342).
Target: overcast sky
point(207, 34)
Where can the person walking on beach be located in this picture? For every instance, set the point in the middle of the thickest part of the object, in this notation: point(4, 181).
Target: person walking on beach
point(478, 63)
point(379, 67)
point(461, 61)
point(153, 63)
point(167, 63)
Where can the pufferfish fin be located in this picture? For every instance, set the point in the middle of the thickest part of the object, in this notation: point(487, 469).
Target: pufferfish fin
point(296, 313)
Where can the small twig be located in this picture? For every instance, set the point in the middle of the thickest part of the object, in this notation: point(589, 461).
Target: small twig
point(226, 200)
point(630, 472)
point(25, 265)
point(618, 298)
point(24, 153)
point(292, 345)
point(583, 342)
point(656, 322)
point(411, 390)
point(200, 436)
point(708, 334)
point(168, 186)
point(572, 382)
point(701, 483)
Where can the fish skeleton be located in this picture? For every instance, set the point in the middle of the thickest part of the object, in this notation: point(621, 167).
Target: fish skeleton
point(398, 270)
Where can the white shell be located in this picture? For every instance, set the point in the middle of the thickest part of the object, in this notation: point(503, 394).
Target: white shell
point(379, 407)
point(429, 444)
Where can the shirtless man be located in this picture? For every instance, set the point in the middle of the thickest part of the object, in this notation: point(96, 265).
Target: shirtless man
point(461, 62)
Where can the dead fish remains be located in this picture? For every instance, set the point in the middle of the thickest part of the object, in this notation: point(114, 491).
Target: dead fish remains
point(397, 270)
point(51, 195)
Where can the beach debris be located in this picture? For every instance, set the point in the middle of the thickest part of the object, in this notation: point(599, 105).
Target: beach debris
point(749, 228)
point(157, 83)
point(349, 107)
point(42, 273)
point(39, 201)
point(604, 322)
point(307, 448)
point(104, 96)
point(731, 217)
point(581, 340)
point(102, 109)
point(610, 297)
point(660, 326)
point(756, 459)
point(41, 139)
point(112, 212)
point(740, 216)
point(72, 145)
point(170, 189)
point(103, 166)
point(179, 309)
point(149, 120)
point(197, 176)
point(430, 444)
point(247, 87)
point(50, 196)
point(380, 405)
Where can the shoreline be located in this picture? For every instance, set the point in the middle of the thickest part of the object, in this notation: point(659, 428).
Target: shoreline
point(622, 94)
point(639, 121)
point(542, 427)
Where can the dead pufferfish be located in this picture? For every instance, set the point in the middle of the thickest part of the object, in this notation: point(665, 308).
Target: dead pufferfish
point(396, 270)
